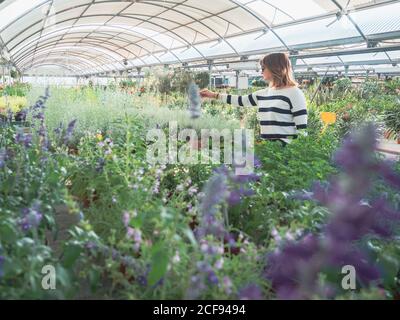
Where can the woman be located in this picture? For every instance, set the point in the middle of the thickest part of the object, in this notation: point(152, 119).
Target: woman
point(282, 109)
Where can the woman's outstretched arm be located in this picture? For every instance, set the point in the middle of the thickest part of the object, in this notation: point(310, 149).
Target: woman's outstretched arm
point(241, 101)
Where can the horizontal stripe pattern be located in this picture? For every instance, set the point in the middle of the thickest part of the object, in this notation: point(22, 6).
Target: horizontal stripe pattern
point(277, 123)
point(300, 113)
point(276, 110)
point(283, 98)
point(278, 136)
point(281, 113)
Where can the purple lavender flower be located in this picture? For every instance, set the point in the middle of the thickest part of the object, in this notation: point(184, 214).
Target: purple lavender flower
point(30, 217)
point(24, 139)
point(215, 193)
point(385, 169)
point(101, 162)
point(2, 260)
point(21, 116)
point(221, 188)
point(227, 285)
point(9, 115)
point(126, 218)
point(251, 292)
point(357, 151)
point(69, 132)
point(3, 156)
point(39, 116)
point(293, 270)
point(42, 131)
point(59, 129)
point(212, 278)
point(197, 286)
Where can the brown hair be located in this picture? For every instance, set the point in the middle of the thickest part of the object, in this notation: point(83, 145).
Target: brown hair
point(280, 67)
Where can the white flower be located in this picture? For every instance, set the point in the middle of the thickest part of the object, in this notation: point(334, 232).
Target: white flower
point(192, 191)
point(219, 264)
point(176, 259)
point(204, 247)
point(289, 236)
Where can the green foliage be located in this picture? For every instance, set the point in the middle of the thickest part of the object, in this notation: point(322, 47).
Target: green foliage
point(370, 88)
point(260, 83)
point(17, 89)
point(164, 84)
point(341, 87)
point(125, 84)
point(392, 86)
point(391, 118)
point(14, 74)
point(103, 176)
point(285, 169)
point(180, 80)
point(202, 79)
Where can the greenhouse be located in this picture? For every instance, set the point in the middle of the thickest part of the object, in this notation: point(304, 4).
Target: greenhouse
point(200, 150)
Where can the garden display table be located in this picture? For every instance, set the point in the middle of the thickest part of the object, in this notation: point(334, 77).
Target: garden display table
point(390, 148)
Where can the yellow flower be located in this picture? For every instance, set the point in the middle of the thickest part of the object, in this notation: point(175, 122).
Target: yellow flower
point(15, 104)
point(99, 137)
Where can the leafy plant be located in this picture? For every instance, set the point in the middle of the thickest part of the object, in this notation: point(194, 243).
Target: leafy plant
point(391, 119)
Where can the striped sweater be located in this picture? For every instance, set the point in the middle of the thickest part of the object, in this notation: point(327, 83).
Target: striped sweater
point(281, 112)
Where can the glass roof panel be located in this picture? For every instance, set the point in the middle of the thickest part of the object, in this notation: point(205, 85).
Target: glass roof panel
point(215, 48)
point(322, 60)
point(394, 54)
point(12, 11)
point(187, 53)
point(364, 57)
point(388, 21)
point(255, 41)
point(317, 31)
point(278, 11)
point(150, 28)
point(166, 57)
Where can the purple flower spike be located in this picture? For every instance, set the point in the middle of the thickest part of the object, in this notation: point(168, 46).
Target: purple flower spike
point(31, 217)
point(294, 269)
point(69, 132)
point(251, 292)
point(2, 260)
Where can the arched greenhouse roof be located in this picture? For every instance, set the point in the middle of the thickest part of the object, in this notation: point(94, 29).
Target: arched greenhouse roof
point(100, 36)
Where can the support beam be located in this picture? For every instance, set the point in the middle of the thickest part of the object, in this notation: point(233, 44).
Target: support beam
point(346, 70)
point(210, 65)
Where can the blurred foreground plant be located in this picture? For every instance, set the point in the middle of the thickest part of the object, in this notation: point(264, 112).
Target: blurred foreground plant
point(295, 270)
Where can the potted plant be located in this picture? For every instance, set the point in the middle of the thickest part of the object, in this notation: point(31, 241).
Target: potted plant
point(392, 122)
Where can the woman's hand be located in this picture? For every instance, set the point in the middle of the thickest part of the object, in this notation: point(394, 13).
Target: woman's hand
point(208, 94)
